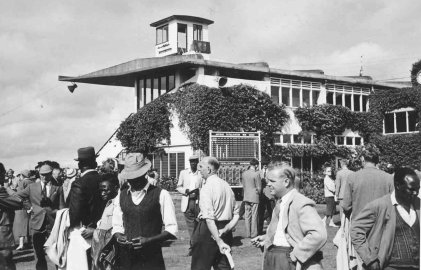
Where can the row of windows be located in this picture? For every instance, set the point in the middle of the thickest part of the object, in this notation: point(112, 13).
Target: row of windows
point(309, 139)
point(169, 165)
point(162, 33)
point(294, 97)
point(401, 122)
point(348, 140)
point(355, 102)
point(149, 89)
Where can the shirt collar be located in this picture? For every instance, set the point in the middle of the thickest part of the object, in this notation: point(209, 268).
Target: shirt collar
point(85, 172)
point(190, 171)
point(286, 196)
point(145, 188)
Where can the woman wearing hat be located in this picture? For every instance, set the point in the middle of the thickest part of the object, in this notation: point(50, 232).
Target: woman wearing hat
point(21, 221)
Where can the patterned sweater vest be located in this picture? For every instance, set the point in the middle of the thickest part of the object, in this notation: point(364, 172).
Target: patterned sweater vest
point(144, 219)
point(406, 245)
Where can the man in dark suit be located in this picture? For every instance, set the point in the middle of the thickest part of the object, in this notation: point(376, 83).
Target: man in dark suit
point(44, 200)
point(85, 204)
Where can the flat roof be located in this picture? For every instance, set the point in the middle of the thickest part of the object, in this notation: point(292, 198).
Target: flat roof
point(125, 74)
point(183, 18)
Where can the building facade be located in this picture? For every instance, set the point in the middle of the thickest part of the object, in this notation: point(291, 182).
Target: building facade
point(182, 55)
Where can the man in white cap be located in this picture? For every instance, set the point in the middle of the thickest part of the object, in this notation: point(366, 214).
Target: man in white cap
point(139, 212)
point(44, 199)
point(189, 183)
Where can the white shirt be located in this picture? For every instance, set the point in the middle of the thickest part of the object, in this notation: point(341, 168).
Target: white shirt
point(85, 172)
point(410, 217)
point(280, 238)
point(329, 184)
point(166, 207)
point(217, 200)
point(193, 179)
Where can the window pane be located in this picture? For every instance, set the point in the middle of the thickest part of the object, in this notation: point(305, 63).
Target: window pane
point(349, 141)
point(163, 88)
point(340, 140)
point(182, 36)
point(306, 98)
point(158, 35)
point(338, 97)
point(348, 101)
point(389, 123)
point(306, 163)
point(329, 98)
point(315, 97)
point(357, 141)
point(285, 96)
point(307, 138)
point(295, 97)
point(296, 163)
point(401, 122)
point(164, 163)
point(297, 139)
point(165, 33)
point(173, 164)
point(287, 138)
point(277, 138)
point(197, 32)
point(155, 92)
point(412, 120)
point(357, 104)
point(148, 91)
point(274, 92)
point(171, 82)
point(180, 162)
point(365, 99)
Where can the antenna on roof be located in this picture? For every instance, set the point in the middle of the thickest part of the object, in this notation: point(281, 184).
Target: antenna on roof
point(361, 69)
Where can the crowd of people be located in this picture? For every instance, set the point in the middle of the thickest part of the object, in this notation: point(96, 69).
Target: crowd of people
point(116, 216)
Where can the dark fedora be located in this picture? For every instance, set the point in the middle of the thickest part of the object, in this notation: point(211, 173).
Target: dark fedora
point(86, 153)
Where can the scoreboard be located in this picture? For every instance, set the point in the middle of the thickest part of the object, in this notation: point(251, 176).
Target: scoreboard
point(234, 150)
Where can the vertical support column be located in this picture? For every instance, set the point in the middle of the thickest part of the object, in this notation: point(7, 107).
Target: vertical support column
point(323, 94)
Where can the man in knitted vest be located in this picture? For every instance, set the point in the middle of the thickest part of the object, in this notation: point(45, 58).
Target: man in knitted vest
point(139, 212)
point(386, 233)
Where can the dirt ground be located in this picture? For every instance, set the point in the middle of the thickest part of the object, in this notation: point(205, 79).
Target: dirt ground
point(175, 253)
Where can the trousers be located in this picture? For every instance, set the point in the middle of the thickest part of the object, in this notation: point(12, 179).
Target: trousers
point(205, 251)
point(251, 219)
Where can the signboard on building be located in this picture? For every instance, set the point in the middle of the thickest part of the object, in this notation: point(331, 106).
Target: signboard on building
point(234, 150)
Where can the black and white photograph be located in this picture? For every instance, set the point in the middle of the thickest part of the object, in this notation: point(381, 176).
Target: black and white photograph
point(248, 135)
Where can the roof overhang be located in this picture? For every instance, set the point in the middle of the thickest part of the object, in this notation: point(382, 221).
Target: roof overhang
point(182, 18)
point(126, 74)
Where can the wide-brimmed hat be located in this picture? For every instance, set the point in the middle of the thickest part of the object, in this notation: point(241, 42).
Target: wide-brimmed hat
point(70, 173)
point(25, 173)
point(135, 165)
point(193, 157)
point(45, 169)
point(86, 153)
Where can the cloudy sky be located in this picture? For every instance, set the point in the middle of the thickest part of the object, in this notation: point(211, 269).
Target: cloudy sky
point(40, 40)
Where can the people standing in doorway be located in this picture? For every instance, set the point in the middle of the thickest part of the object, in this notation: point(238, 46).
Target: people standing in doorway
point(329, 190)
point(252, 187)
point(189, 184)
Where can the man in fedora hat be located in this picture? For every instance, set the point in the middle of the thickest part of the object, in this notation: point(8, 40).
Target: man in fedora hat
point(85, 205)
point(139, 212)
point(44, 201)
point(189, 183)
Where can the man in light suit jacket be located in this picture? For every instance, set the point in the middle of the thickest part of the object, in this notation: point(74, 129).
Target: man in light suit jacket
point(252, 187)
point(296, 232)
point(44, 200)
point(189, 183)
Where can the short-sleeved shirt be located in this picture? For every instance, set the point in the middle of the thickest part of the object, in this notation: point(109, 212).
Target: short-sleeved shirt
point(217, 200)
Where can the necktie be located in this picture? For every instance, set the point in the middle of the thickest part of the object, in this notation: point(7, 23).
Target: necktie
point(44, 191)
point(273, 225)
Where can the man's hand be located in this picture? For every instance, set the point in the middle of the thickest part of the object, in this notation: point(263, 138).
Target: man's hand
point(223, 231)
point(187, 192)
point(258, 241)
point(87, 232)
point(374, 265)
point(140, 242)
point(223, 247)
point(120, 238)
